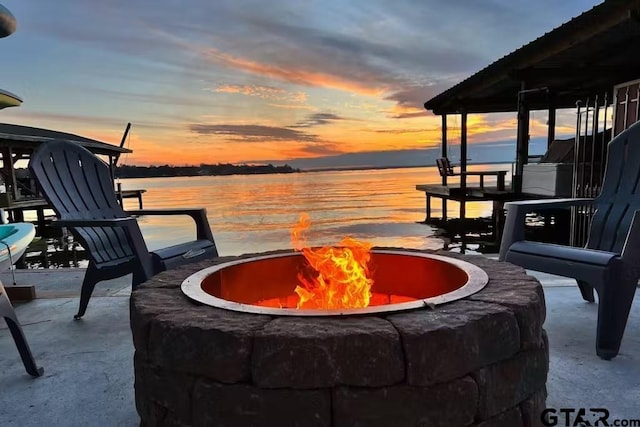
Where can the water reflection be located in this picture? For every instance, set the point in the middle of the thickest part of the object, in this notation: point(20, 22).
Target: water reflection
point(54, 252)
point(251, 213)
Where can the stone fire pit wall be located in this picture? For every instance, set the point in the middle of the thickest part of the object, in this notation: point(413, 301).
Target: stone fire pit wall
point(479, 361)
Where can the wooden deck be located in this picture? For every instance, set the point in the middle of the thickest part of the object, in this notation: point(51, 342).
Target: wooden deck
point(492, 227)
point(462, 195)
point(487, 230)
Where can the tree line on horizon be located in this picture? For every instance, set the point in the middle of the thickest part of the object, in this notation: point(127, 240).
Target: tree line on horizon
point(132, 171)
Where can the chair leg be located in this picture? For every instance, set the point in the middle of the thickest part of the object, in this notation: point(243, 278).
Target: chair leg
point(91, 277)
point(614, 304)
point(586, 290)
point(139, 277)
point(9, 314)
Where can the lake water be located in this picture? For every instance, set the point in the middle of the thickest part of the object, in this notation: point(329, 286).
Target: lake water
point(254, 213)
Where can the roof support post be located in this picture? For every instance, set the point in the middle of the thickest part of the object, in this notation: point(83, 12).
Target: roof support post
point(551, 123)
point(444, 154)
point(463, 148)
point(9, 174)
point(444, 144)
point(522, 143)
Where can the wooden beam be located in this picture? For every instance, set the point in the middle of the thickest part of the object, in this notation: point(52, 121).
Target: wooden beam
point(507, 102)
point(522, 143)
point(8, 173)
point(444, 154)
point(444, 144)
point(551, 125)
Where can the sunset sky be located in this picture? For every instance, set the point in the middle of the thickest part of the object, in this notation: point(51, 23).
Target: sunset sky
point(209, 81)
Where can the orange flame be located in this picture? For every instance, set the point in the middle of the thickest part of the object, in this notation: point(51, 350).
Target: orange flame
point(341, 273)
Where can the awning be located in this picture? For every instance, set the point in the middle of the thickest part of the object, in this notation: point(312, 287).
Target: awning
point(29, 138)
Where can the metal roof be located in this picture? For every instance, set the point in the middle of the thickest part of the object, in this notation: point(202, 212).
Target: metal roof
point(587, 55)
point(29, 137)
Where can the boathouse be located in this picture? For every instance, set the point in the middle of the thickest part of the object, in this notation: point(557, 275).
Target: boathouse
point(590, 65)
point(16, 145)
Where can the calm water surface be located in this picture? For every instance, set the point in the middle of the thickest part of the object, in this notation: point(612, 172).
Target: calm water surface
point(255, 213)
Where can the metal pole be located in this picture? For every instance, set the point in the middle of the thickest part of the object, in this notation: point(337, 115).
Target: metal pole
point(463, 176)
point(574, 191)
point(626, 107)
point(594, 138)
point(582, 165)
point(605, 140)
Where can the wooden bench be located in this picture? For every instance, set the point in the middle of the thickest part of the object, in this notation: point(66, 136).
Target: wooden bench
point(129, 194)
point(446, 169)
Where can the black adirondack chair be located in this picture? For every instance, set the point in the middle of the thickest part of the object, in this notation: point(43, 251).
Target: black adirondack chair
point(610, 262)
point(78, 186)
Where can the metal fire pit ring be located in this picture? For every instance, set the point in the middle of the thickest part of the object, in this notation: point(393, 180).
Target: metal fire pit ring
point(194, 286)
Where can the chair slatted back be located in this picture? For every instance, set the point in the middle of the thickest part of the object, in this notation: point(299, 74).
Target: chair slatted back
point(444, 167)
point(78, 185)
point(620, 195)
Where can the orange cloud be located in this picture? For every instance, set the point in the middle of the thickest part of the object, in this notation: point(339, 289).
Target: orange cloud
point(292, 106)
point(292, 75)
point(403, 111)
point(266, 92)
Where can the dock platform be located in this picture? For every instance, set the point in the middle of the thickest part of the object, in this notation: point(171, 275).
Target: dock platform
point(462, 195)
point(487, 232)
point(13, 210)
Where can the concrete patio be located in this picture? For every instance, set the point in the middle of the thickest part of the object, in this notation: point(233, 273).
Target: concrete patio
point(88, 364)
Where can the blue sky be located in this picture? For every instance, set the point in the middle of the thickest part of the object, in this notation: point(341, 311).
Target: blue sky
point(254, 81)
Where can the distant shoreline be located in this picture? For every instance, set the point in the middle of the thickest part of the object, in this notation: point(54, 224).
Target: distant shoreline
point(287, 169)
point(221, 169)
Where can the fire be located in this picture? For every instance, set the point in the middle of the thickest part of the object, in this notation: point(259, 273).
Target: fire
point(341, 274)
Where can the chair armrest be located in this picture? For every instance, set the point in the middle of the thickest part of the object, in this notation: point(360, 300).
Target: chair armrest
point(110, 222)
point(533, 205)
point(516, 212)
point(167, 211)
point(199, 216)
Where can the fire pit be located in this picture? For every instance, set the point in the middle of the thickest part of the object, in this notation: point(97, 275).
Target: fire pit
point(480, 359)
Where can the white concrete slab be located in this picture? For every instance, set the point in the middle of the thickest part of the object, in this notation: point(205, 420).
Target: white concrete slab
point(89, 370)
point(88, 366)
